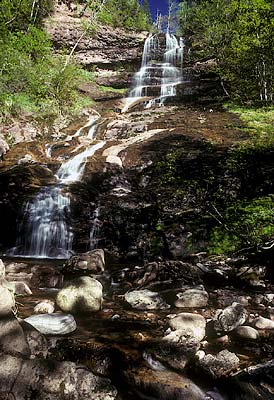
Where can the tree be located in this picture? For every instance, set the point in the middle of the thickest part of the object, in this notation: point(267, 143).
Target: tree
point(240, 35)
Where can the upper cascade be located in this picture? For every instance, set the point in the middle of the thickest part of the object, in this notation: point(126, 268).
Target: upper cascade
point(161, 70)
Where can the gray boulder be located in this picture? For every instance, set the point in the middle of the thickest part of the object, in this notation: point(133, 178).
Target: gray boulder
point(52, 324)
point(81, 296)
point(192, 298)
point(220, 365)
point(228, 319)
point(263, 323)
point(189, 325)
point(145, 300)
point(91, 262)
point(246, 332)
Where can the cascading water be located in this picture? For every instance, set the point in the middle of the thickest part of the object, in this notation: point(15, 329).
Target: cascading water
point(161, 70)
point(44, 231)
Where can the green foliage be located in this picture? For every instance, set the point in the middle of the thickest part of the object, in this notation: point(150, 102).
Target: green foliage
point(240, 35)
point(128, 14)
point(18, 15)
point(32, 80)
point(245, 223)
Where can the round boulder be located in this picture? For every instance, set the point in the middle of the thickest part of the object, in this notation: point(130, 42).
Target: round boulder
point(246, 332)
point(189, 324)
point(81, 296)
point(145, 300)
point(192, 298)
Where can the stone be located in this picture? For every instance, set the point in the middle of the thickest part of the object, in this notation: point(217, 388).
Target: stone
point(52, 324)
point(7, 301)
point(225, 297)
point(189, 324)
point(220, 365)
point(161, 384)
point(12, 337)
point(92, 262)
point(44, 307)
point(4, 147)
point(81, 296)
point(263, 323)
point(192, 298)
point(114, 160)
point(21, 288)
point(51, 380)
point(2, 270)
point(246, 332)
point(145, 300)
point(228, 319)
point(27, 159)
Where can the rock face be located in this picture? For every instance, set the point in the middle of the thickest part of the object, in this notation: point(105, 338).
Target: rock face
point(82, 295)
point(189, 324)
point(91, 262)
point(52, 324)
point(192, 298)
point(145, 300)
point(228, 319)
point(220, 365)
point(105, 47)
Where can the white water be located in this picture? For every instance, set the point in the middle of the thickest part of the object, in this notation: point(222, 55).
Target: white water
point(160, 73)
point(95, 229)
point(44, 231)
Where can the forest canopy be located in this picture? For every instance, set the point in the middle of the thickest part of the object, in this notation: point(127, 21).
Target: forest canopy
point(239, 33)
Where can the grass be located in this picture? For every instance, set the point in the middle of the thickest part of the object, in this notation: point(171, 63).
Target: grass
point(112, 89)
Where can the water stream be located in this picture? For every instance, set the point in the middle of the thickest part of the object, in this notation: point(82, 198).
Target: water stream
point(44, 231)
point(161, 70)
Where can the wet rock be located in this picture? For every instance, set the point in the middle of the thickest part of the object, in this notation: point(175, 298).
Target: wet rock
point(21, 288)
point(220, 365)
point(91, 262)
point(228, 319)
point(145, 300)
point(7, 300)
point(51, 380)
point(163, 384)
point(2, 270)
point(52, 324)
point(263, 323)
point(12, 337)
point(252, 383)
point(4, 147)
point(189, 325)
point(81, 296)
point(246, 332)
point(27, 159)
point(44, 307)
point(225, 297)
point(192, 298)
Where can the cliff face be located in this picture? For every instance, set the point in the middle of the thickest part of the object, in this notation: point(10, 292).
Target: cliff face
point(105, 48)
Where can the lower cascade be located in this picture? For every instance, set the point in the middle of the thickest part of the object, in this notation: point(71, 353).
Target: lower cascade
point(44, 231)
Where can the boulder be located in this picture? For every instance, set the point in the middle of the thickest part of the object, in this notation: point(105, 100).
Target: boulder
point(44, 307)
point(161, 384)
point(145, 300)
point(81, 296)
point(228, 319)
point(7, 300)
point(189, 325)
point(4, 147)
point(246, 332)
point(91, 262)
point(220, 365)
point(12, 337)
point(51, 380)
point(52, 324)
point(192, 298)
point(263, 323)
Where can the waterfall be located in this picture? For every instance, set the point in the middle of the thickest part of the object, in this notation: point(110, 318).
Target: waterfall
point(95, 229)
point(160, 72)
point(44, 231)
